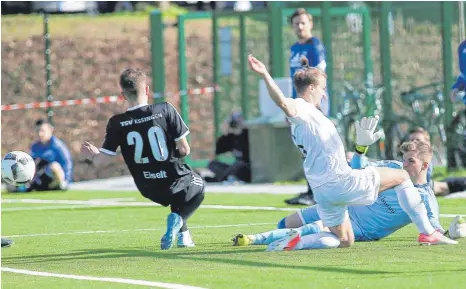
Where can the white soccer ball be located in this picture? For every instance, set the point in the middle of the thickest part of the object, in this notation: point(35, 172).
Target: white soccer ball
point(18, 168)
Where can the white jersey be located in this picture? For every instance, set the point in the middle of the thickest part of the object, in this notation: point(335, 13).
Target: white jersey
point(317, 138)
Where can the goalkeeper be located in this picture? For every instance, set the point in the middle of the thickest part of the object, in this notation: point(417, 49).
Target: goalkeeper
point(369, 223)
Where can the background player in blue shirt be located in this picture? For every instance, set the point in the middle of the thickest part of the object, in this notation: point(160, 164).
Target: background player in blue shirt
point(370, 223)
point(460, 84)
point(54, 165)
point(309, 47)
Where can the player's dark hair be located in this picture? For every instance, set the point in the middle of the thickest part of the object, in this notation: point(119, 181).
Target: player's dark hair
point(132, 81)
point(306, 76)
point(421, 131)
point(42, 121)
point(299, 12)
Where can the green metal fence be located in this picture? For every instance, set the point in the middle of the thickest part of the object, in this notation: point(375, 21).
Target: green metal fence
point(234, 35)
point(366, 46)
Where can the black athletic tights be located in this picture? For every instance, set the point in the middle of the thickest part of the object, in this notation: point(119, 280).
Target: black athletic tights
point(186, 209)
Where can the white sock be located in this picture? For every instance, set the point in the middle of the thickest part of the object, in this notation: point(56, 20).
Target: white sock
point(411, 202)
point(321, 240)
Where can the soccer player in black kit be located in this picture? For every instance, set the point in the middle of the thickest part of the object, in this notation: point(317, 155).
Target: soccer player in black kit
point(152, 139)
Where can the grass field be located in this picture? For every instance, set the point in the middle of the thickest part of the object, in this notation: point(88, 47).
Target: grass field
point(86, 242)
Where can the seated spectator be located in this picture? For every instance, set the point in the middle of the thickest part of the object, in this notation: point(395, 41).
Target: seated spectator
point(236, 141)
point(441, 188)
point(54, 166)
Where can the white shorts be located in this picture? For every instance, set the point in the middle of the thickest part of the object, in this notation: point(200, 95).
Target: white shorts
point(360, 187)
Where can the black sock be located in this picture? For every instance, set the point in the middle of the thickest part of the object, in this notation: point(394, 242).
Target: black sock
point(309, 191)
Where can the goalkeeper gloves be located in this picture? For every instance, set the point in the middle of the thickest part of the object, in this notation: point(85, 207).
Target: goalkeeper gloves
point(365, 135)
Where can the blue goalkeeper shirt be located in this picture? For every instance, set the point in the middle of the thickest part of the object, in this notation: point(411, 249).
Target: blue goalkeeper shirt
point(313, 50)
point(385, 216)
point(54, 151)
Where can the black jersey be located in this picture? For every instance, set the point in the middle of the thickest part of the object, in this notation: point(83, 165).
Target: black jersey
point(146, 135)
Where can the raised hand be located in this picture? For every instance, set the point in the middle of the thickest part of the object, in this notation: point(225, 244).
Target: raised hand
point(365, 128)
point(256, 66)
point(89, 150)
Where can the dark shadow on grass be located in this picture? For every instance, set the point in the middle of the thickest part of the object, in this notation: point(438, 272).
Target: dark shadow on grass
point(177, 255)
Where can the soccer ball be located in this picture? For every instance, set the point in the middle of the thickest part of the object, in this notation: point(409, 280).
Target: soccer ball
point(18, 168)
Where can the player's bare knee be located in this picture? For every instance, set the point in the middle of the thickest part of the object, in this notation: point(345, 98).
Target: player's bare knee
point(345, 243)
point(56, 167)
point(405, 176)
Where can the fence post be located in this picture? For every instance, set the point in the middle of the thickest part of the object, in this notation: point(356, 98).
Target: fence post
point(277, 58)
point(368, 65)
point(243, 54)
point(386, 60)
point(182, 70)
point(216, 76)
point(157, 55)
point(447, 23)
point(48, 68)
point(327, 38)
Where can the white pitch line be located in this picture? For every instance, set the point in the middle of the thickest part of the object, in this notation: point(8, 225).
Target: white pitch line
point(101, 279)
point(94, 203)
point(75, 204)
point(133, 230)
point(113, 199)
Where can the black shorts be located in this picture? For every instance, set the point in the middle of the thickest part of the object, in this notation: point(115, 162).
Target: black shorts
point(42, 182)
point(194, 186)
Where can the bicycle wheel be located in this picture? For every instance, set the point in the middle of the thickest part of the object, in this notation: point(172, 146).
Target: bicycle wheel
point(458, 134)
point(398, 132)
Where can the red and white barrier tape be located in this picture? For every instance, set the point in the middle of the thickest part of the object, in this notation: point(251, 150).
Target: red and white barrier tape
point(103, 99)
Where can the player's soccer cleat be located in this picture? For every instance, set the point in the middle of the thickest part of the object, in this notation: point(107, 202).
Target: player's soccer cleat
point(174, 224)
point(435, 238)
point(184, 240)
point(241, 240)
point(305, 199)
point(6, 243)
point(287, 243)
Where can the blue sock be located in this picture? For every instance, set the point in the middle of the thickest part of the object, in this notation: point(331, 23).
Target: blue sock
point(281, 224)
point(268, 237)
point(309, 229)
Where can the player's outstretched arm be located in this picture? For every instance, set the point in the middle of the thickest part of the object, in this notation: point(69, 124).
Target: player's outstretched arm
point(286, 104)
point(92, 153)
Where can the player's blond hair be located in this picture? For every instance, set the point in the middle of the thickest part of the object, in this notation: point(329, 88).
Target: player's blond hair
point(423, 149)
point(133, 82)
point(306, 76)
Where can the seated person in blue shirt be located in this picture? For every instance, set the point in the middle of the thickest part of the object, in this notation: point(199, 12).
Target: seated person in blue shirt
point(54, 166)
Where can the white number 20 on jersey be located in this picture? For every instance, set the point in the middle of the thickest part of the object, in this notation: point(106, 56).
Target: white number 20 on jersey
point(157, 142)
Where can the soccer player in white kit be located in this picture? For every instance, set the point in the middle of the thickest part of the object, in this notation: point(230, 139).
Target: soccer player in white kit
point(334, 183)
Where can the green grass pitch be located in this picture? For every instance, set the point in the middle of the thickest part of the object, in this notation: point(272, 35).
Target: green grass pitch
point(123, 242)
